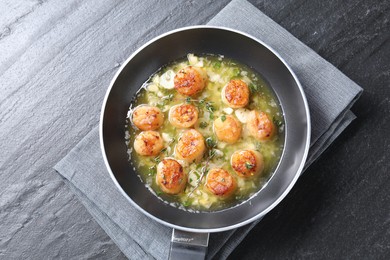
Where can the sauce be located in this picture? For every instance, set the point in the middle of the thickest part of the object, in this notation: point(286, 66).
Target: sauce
point(159, 91)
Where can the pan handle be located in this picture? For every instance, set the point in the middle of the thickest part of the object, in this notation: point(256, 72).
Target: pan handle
point(188, 245)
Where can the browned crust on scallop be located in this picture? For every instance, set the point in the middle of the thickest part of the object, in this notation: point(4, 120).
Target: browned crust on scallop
point(220, 182)
point(261, 126)
point(185, 115)
point(228, 131)
point(189, 143)
point(237, 93)
point(246, 164)
point(189, 81)
point(171, 176)
point(149, 139)
point(149, 120)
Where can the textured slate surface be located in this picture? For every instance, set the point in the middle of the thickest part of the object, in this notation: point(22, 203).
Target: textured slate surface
point(56, 60)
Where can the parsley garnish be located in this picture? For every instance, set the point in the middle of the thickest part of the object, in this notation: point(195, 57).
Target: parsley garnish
point(277, 122)
point(210, 107)
point(152, 170)
point(248, 165)
point(187, 203)
point(203, 125)
point(253, 88)
point(217, 64)
point(211, 143)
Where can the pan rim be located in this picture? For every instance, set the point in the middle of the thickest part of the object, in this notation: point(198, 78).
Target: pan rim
point(274, 203)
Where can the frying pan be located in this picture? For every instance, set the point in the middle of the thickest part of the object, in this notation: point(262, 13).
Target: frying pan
point(191, 229)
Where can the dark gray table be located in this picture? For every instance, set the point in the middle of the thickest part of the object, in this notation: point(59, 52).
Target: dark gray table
point(56, 61)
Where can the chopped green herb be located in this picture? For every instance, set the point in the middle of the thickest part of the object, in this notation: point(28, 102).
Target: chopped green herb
point(188, 99)
point(236, 72)
point(157, 159)
point(223, 118)
point(211, 153)
point(203, 125)
point(210, 107)
point(248, 165)
point(165, 150)
point(197, 174)
point(211, 143)
point(152, 170)
point(254, 88)
point(277, 122)
point(187, 203)
point(217, 64)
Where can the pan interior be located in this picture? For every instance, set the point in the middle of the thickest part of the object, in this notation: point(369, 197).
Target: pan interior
point(207, 40)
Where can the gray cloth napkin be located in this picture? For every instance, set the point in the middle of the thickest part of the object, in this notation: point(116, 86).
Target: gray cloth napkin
point(330, 94)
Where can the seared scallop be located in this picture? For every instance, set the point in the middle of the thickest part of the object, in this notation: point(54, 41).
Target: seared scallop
point(147, 117)
point(183, 115)
point(148, 143)
point(227, 129)
point(170, 176)
point(236, 93)
point(260, 126)
point(247, 163)
point(190, 146)
point(190, 80)
point(220, 182)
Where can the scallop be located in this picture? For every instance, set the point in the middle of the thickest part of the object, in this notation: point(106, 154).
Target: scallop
point(146, 117)
point(170, 176)
point(148, 143)
point(190, 81)
point(260, 126)
point(190, 146)
point(247, 163)
point(183, 115)
point(236, 93)
point(227, 129)
point(220, 182)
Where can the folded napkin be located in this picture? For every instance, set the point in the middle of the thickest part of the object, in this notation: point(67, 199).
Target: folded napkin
point(330, 94)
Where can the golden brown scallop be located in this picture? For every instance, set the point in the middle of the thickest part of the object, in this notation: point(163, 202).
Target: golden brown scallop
point(190, 146)
point(170, 176)
point(247, 163)
point(183, 115)
point(227, 129)
point(190, 81)
point(147, 117)
point(148, 143)
point(260, 126)
point(236, 93)
point(220, 182)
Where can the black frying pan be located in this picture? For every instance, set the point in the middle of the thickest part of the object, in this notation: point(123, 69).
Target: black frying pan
point(213, 40)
